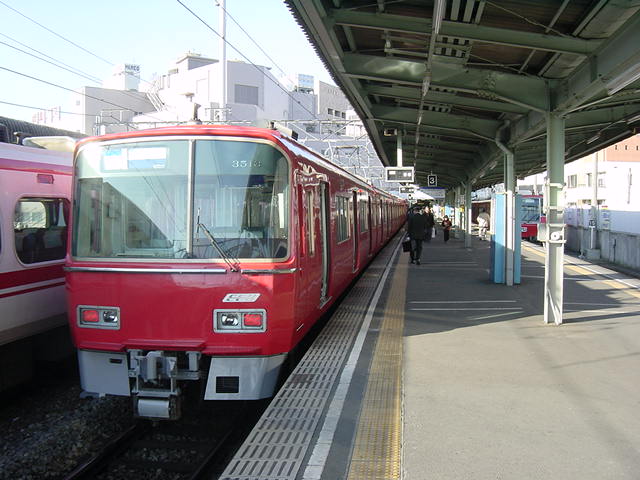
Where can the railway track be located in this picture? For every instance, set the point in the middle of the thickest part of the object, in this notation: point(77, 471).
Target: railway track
point(189, 449)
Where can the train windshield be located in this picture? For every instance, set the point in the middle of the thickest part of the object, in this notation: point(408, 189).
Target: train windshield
point(181, 199)
point(531, 207)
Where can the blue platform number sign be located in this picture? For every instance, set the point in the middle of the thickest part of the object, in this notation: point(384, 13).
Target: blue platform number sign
point(432, 180)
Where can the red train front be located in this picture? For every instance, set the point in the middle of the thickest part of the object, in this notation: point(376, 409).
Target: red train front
point(205, 254)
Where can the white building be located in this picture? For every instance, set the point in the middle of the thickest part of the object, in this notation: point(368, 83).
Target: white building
point(193, 85)
point(602, 214)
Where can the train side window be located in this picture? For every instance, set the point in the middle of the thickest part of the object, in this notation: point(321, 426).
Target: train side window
point(309, 224)
point(343, 220)
point(363, 216)
point(40, 229)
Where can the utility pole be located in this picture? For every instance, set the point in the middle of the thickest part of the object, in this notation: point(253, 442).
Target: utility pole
point(222, 43)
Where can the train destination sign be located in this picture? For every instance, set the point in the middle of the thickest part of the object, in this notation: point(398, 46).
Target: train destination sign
point(399, 174)
point(410, 189)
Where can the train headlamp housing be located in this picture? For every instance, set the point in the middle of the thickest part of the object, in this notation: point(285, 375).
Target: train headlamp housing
point(98, 317)
point(239, 320)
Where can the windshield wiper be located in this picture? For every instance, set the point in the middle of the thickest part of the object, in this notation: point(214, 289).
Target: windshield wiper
point(216, 245)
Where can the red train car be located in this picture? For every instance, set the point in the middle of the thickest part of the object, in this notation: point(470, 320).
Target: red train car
point(206, 253)
point(35, 190)
point(531, 216)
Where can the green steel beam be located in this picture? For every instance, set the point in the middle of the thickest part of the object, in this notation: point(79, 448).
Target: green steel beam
point(617, 59)
point(414, 94)
point(480, 127)
point(517, 89)
point(466, 31)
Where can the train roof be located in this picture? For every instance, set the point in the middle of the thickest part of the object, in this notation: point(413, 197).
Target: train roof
point(12, 130)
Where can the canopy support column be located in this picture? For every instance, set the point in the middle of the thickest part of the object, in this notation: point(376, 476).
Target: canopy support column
point(467, 214)
point(554, 205)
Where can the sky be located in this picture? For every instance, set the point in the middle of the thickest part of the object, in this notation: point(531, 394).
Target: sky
point(151, 33)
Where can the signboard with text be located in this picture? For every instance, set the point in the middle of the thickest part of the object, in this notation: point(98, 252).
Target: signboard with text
point(434, 193)
point(399, 174)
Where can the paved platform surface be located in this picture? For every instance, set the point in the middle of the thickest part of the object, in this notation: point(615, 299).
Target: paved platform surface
point(490, 392)
point(434, 372)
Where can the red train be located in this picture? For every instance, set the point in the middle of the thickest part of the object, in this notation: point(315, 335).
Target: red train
point(35, 190)
point(206, 253)
point(530, 214)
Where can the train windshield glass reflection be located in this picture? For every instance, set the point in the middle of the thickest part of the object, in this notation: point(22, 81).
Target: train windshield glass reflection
point(132, 200)
point(531, 210)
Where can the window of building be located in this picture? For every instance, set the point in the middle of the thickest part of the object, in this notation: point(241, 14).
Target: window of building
point(247, 94)
point(329, 111)
point(40, 229)
point(572, 181)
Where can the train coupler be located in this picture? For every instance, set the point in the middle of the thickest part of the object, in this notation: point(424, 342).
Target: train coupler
point(155, 375)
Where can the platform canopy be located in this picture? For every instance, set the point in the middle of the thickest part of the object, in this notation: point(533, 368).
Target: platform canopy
point(456, 78)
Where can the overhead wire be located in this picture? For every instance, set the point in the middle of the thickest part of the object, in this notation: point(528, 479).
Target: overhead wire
point(96, 79)
point(254, 42)
point(44, 109)
point(73, 91)
point(57, 34)
point(246, 58)
point(50, 62)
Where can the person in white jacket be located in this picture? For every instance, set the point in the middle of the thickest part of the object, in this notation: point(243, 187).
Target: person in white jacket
point(483, 224)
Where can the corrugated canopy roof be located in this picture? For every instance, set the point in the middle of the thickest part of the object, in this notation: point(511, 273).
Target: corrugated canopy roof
point(452, 76)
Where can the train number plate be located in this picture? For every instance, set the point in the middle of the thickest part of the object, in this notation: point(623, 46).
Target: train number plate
point(240, 297)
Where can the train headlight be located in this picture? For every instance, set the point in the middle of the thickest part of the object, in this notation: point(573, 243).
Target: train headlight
point(229, 320)
point(240, 321)
point(99, 317)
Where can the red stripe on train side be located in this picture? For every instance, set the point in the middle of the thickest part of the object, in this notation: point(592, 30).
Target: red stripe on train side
point(29, 290)
point(35, 167)
point(30, 275)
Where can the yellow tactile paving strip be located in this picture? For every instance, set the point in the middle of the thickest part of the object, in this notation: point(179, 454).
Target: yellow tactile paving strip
point(583, 271)
point(377, 448)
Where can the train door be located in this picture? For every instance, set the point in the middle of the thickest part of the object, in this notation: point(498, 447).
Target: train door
point(370, 223)
point(356, 231)
point(324, 241)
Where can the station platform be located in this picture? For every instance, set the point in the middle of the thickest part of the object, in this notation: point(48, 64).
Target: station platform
point(432, 371)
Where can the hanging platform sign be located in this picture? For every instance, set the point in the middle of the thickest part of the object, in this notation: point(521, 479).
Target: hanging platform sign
point(399, 174)
point(435, 193)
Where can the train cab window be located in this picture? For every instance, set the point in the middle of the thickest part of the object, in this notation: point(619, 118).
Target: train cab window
point(182, 199)
point(40, 229)
point(241, 195)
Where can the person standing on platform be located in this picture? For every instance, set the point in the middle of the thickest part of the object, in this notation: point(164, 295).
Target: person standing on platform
point(446, 228)
point(483, 223)
point(431, 224)
point(417, 230)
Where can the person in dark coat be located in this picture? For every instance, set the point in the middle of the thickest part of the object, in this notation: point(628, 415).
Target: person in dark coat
point(446, 227)
point(417, 230)
point(431, 223)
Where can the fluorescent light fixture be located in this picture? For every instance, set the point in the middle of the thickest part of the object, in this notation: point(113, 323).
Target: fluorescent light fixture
point(623, 79)
point(596, 137)
point(633, 118)
point(438, 13)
